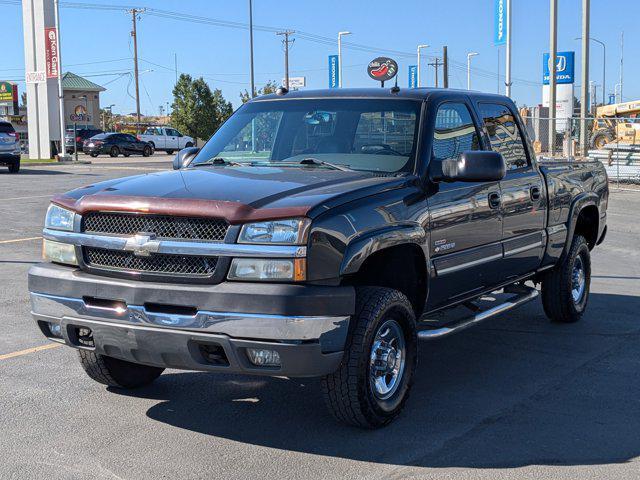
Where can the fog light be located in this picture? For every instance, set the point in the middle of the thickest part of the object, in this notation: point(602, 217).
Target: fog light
point(263, 358)
point(55, 329)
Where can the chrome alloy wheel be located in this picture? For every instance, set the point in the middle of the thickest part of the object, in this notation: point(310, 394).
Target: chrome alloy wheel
point(387, 360)
point(578, 280)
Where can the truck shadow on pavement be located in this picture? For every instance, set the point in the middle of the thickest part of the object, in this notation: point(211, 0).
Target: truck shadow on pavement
point(516, 391)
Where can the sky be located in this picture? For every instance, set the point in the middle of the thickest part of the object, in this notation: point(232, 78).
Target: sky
point(96, 43)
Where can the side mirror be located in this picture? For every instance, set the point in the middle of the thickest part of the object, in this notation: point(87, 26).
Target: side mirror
point(184, 156)
point(472, 166)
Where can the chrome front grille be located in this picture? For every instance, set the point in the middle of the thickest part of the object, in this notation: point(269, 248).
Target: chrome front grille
point(156, 263)
point(163, 226)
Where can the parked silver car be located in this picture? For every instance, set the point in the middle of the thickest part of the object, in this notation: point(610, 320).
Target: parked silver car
point(9, 147)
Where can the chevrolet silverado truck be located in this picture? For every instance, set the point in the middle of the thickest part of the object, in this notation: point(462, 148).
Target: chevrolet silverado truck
point(320, 233)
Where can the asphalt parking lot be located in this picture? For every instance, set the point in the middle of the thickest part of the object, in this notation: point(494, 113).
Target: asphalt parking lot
point(517, 397)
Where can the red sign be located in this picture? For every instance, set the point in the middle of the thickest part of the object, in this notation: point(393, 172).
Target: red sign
point(52, 52)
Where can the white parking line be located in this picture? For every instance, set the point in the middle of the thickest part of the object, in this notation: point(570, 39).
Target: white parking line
point(16, 240)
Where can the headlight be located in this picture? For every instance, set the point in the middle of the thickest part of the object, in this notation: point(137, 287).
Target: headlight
point(283, 232)
point(268, 269)
point(59, 252)
point(59, 218)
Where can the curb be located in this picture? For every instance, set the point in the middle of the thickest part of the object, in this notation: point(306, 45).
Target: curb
point(54, 164)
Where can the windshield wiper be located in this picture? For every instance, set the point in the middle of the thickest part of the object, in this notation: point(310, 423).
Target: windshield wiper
point(217, 161)
point(322, 163)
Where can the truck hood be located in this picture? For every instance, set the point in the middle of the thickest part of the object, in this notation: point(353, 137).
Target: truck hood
point(235, 193)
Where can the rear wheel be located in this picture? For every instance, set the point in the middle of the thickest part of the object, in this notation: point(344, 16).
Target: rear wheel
point(146, 151)
point(169, 152)
point(93, 155)
point(565, 289)
point(117, 373)
point(14, 167)
point(114, 152)
point(371, 386)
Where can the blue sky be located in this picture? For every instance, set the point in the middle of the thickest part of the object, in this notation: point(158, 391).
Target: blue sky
point(220, 54)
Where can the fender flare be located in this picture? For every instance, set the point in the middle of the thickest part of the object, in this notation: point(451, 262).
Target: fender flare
point(363, 246)
point(583, 200)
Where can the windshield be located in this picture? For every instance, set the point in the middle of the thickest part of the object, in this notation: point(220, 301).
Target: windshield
point(376, 135)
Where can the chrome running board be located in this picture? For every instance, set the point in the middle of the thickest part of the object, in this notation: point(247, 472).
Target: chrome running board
point(520, 299)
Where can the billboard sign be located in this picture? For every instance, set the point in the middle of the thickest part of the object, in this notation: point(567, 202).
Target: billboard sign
point(52, 52)
point(334, 72)
point(413, 76)
point(6, 92)
point(500, 23)
point(382, 69)
point(565, 63)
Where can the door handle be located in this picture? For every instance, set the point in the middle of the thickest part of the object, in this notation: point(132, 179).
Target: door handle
point(534, 192)
point(494, 200)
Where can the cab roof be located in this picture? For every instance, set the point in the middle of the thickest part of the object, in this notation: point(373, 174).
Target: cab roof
point(382, 93)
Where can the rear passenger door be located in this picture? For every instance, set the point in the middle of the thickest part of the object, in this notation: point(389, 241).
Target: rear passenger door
point(465, 221)
point(523, 194)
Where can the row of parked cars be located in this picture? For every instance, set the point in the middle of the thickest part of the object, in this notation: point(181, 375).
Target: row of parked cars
point(95, 142)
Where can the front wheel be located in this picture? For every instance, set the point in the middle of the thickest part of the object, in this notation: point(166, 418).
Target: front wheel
point(117, 373)
point(371, 386)
point(114, 152)
point(188, 145)
point(146, 151)
point(565, 289)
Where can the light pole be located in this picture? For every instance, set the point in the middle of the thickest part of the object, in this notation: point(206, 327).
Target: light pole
point(419, 47)
point(469, 55)
point(61, 152)
point(253, 85)
point(604, 65)
point(340, 34)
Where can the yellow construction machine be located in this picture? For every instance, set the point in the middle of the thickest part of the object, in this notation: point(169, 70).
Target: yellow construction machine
point(618, 122)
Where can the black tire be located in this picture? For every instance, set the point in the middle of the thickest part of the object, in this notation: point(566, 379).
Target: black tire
point(562, 300)
point(126, 154)
point(114, 152)
point(188, 145)
point(93, 155)
point(600, 138)
point(169, 152)
point(14, 167)
point(117, 373)
point(349, 391)
point(146, 151)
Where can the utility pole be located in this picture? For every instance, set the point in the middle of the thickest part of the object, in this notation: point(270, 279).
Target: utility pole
point(285, 43)
point(419, 57)
point(553, 54)
point(175, 65)
point(436, 64)
point(584, 132)
point(253, 83)
point(445, 67)
point(621, 62)
point(134, 13)
point(469, 56)
point(340, 34)
point(507, 78)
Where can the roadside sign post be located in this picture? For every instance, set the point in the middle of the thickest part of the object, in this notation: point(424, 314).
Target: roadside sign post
point(75, 143)
point(382, 69)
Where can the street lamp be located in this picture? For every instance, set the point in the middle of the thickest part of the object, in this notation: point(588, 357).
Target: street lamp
point(340, 34)
point(604, 64)
point(419, 47)
point(469, 55)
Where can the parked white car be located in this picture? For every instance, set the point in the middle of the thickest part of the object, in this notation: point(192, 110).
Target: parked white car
point(166, 139)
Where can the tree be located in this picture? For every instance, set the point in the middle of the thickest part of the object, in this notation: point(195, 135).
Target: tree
point(197, 111)
point(270, 87)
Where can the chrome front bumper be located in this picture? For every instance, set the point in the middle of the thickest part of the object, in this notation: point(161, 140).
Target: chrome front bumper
point(166, 325)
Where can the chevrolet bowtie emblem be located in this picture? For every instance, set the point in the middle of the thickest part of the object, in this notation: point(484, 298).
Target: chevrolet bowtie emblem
point(142, 244)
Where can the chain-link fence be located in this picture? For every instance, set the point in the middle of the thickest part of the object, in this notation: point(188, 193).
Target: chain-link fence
point(613, 141)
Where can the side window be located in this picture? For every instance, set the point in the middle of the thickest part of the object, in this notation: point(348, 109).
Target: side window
point(504, 134)
point(454, 132)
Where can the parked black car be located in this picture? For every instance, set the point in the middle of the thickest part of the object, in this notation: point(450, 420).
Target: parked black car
point(115, 144)
point(354, 224)
point(81, 135)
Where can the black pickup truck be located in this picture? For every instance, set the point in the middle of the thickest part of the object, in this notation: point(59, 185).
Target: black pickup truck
point(320, 233)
